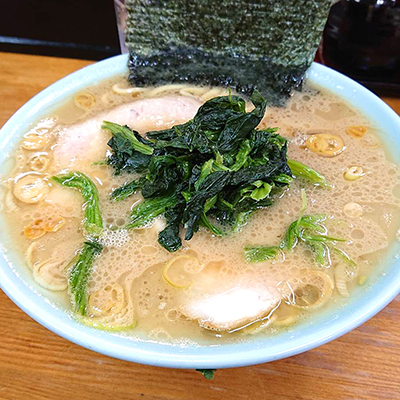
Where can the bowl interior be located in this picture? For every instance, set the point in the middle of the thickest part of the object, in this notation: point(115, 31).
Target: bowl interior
point(16, 280)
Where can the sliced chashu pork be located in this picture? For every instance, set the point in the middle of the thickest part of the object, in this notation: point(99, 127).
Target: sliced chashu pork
point(81, 144)
point(232, 308)
point(224, 304)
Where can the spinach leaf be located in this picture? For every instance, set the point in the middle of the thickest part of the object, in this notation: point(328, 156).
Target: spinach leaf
point(162, 176)
point(169, 236)
point(303, 171)
point(124, 132)
point(212, 185)
point(149, 209)
point(307, 229)
point(82, 263)
point(242, 155)
point(207, 373)
point(125, 158)
point(259, 173)
point(127, 190)
point(93, 221)
point(204, 221)
point(80, 272)
point(212, 171)
point(238, 127)
point(260, 253)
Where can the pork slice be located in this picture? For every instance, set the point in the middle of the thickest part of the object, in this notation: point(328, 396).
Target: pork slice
point(226, 304)
point(81, 144)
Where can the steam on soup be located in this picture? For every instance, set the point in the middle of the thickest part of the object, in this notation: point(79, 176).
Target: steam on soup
point(205, 229)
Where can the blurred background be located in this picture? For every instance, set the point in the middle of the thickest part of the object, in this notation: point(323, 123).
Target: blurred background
point(84, 29)
point(361, 38)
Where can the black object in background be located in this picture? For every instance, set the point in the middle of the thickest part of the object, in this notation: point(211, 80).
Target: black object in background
point(84, 29)
point(243, 44)
point(362, 40)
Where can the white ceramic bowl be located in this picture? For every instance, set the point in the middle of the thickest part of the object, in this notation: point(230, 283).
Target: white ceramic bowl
point(17, 283)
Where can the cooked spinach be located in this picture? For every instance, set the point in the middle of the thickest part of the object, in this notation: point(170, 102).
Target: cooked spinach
point(260, 253)
point(213, 171)
point(128, 155)
point(81, 264)
point(93, 221)
point(307, 229)
point(123, 132)
point(80, 272)
point(149, 209)
point(169, 236)
point(127, 190)
point(207, 373)
point(300, 170)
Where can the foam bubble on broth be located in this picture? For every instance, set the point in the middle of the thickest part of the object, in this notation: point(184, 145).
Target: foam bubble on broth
point(134, 260)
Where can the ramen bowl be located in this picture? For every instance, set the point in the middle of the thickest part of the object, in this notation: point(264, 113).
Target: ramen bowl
point(17, 282)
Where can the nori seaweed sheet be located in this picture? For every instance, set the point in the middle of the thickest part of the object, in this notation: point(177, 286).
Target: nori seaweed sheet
point(263, 44)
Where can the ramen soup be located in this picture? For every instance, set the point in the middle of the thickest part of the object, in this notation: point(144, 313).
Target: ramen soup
point(266, 251)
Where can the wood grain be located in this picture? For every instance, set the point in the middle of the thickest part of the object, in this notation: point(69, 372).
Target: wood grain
point(37, 364)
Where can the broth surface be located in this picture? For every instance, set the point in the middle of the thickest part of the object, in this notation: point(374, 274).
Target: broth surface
point(130, 269)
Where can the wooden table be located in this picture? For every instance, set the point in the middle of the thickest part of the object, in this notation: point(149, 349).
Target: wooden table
point(37, 364)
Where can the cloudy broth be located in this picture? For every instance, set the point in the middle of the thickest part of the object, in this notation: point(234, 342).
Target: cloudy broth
point(127, 285)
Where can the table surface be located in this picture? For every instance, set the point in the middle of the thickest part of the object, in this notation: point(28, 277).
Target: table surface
point(37, 364)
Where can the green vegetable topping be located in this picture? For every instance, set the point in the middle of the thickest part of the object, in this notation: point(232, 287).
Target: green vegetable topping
point(93, 221)
point(300, 170)
point(80, 272)
point(207, 373)
point(260, 253)
point(150, 209)
point(308, 229)
point(127, 190)
point(125, 133)
point(82, 263)
point(212, 171)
